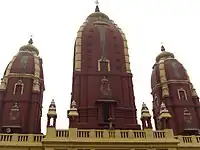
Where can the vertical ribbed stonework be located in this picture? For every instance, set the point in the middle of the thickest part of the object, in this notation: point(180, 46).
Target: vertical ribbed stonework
point(103, 62)
point(127, 62)
point(36, 82)
point(78, 47)
point(163, 79)
point(102, 32)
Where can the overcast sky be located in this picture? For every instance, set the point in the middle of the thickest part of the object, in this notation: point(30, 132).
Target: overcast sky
point(54, 25)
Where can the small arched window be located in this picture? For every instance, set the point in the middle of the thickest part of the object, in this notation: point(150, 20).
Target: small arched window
point(182, 94)
point(103, 65)
point(18, 88)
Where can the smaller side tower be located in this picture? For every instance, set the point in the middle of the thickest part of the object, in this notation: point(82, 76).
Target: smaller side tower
point(21, 92)
point(171, 86)
point(52, 115)
point(73, 115)
point(51, 120)
point(164, 117)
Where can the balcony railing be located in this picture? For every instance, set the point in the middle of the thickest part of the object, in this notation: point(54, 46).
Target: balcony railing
point(21, 138)
point(188, 139)
point(136, 134)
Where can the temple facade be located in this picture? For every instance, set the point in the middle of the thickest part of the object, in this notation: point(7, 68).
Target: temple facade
point(102, 114)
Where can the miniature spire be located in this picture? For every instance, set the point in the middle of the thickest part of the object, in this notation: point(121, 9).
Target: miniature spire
point(52, 103)
point(162, 47)
point(52, 108)
point(31, 40)
point(144, 106)
point(163, 107)
point(73, 110)
point(73, 104)
point(145, 111)
point(97, 6)
point(164, 112)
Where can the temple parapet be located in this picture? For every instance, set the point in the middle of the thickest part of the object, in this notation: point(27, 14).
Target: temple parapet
point(124, 139)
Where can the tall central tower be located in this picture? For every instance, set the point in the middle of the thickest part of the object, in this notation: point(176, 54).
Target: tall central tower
point(102, 79)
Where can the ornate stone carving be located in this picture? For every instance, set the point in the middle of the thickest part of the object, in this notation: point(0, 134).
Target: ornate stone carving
point(14, 112)
point(187, 116)
point(36, 85)
point(3, 84)
point(105, 88)
point(23, 61)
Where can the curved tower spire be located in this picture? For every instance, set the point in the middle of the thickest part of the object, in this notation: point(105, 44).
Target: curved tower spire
point(171, 86)
point(21, 92)
point(102, 79)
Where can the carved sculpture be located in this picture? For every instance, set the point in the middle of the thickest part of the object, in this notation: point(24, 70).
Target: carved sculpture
point(105, 88)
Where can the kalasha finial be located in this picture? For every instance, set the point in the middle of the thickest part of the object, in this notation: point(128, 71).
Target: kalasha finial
point(31, 40)
point(144, 106)
point(97, 6)
point(162, 47)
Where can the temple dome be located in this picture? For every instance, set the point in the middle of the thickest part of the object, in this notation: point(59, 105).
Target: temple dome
point(172, 68)
point(26, 62)
point(101, 37)
point(29, 47)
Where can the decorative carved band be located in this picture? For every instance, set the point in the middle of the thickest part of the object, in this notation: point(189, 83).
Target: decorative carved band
point(170, 82)
point(20, 75)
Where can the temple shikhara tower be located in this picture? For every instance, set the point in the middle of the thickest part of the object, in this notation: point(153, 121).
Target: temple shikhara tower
point(171, 86)
point(102, 79)
point(21, 92)
point(102, 113)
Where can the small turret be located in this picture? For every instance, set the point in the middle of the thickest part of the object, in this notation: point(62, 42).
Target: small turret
point(164, 117)
point(145, 117)
point(73, 114)
point(73, 110)
point(22, 84)
point(52, 115)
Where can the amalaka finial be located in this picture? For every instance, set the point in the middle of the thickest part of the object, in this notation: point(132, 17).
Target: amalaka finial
point(162, 47)
point(31, 40)
point(97, 6)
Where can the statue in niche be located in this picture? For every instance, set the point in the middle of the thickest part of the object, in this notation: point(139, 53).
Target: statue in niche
point(36, 85)
point(23, 61)
point(14, 112)
point(105, 88)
